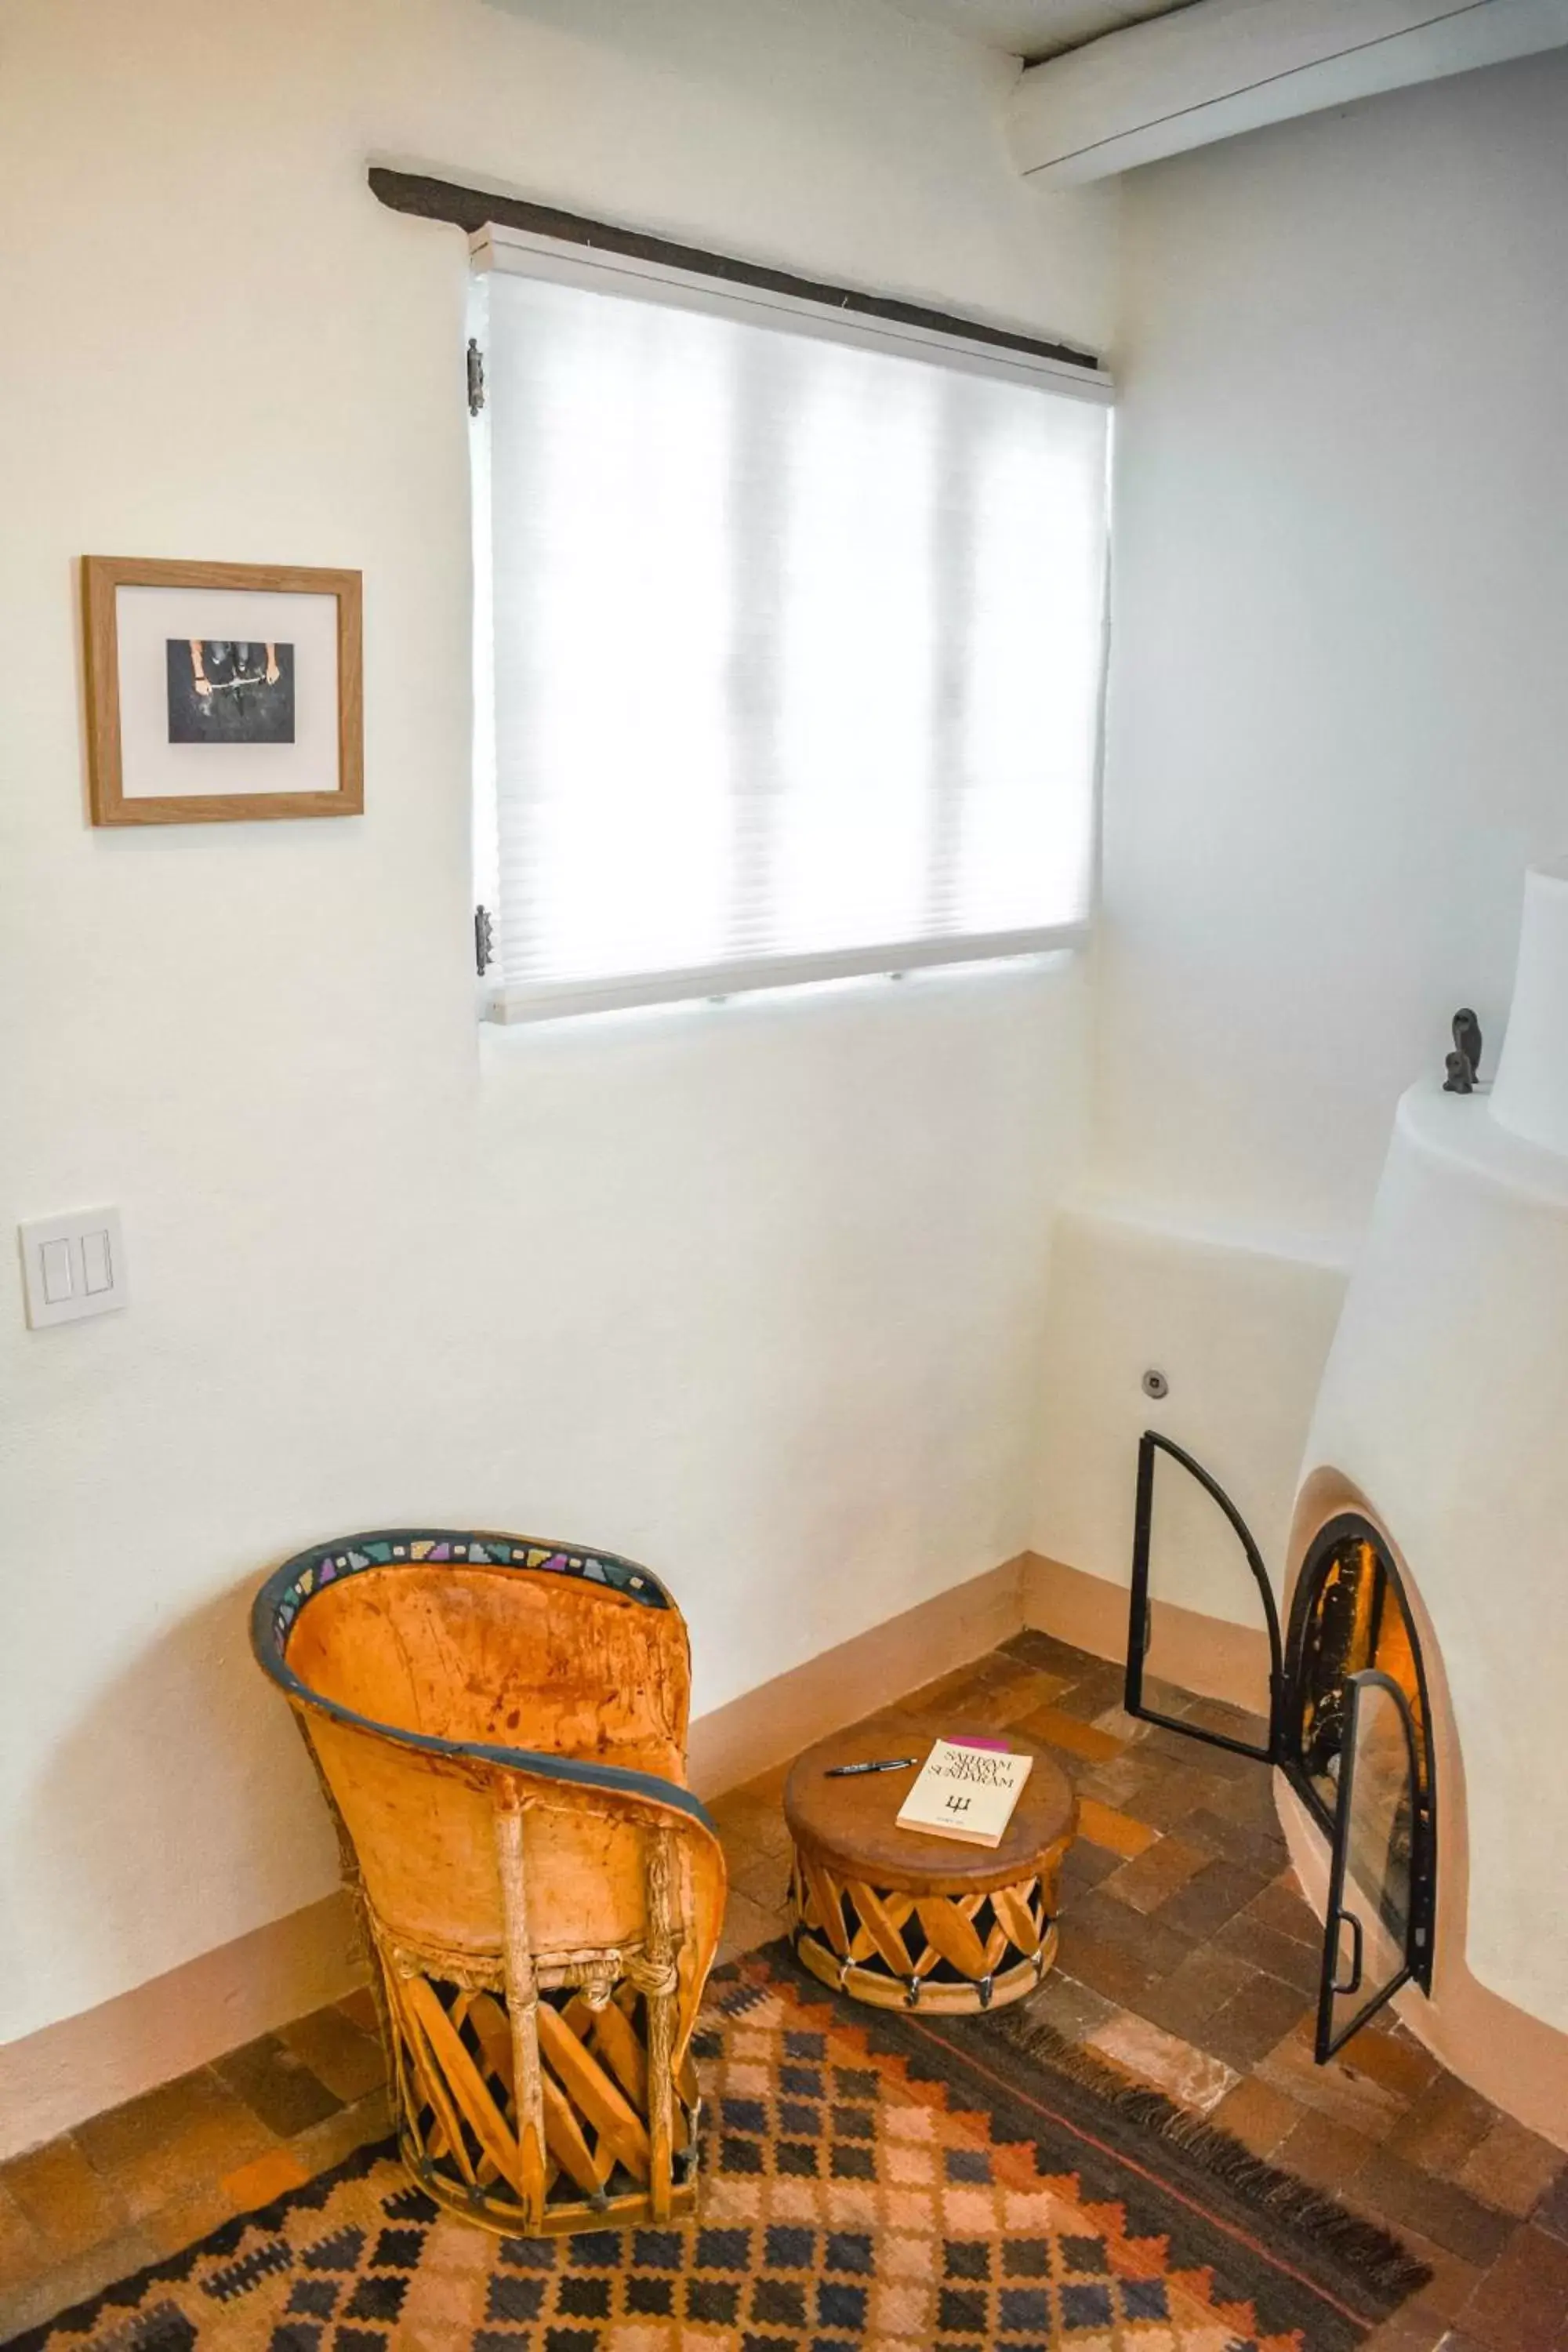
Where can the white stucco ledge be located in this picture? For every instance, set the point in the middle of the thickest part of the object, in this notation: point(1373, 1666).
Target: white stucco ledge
point(1463, 1130)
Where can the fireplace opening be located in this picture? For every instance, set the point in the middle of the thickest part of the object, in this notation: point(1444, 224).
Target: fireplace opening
point(1350, 1724)
point(1351, 1618)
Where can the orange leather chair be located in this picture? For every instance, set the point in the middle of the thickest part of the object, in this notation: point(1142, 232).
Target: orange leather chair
point(500, 1727)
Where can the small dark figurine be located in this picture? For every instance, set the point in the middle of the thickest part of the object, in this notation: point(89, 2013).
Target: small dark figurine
point(1463, 1064)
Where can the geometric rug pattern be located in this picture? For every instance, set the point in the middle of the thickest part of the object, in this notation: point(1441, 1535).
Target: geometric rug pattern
point(862, 2188)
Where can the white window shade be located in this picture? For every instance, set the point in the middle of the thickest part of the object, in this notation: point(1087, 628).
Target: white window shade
point(792, 644)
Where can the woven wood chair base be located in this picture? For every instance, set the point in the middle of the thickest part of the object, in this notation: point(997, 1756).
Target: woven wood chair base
point(605, 2159)
point(942, 1952)
point(504, 2214)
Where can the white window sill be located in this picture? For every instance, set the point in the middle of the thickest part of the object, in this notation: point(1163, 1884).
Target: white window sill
point(722, 985)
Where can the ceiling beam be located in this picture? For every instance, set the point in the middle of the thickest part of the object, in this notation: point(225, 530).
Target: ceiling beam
point(1222, 66)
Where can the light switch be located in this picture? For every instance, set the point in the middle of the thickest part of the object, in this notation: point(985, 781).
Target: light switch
point(57, 1262)
point(73, 1266)
point(97, 1262)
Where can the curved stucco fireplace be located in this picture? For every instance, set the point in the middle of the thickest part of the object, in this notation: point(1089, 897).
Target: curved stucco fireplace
point(1428, 1564)
point(1443, 1416)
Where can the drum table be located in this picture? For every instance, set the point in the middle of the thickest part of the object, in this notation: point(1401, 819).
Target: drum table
point(899, 1920)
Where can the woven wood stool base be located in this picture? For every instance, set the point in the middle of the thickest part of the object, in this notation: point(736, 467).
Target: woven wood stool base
point(941, 1952)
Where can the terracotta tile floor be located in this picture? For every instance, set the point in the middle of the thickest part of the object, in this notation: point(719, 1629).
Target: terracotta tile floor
point(1187, 1958)
point(147, 2178)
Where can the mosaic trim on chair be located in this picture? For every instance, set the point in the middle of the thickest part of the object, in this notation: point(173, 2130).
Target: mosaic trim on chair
point(289, 1587)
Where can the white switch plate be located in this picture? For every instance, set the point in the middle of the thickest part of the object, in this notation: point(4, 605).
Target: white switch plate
point(73, 1266)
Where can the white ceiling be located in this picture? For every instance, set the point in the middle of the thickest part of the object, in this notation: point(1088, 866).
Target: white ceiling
point(1037, 28)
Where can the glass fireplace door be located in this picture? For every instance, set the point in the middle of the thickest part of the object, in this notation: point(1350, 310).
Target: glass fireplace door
point(1371, 1940)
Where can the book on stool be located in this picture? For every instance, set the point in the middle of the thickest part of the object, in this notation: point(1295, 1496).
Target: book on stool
point(965, 1790)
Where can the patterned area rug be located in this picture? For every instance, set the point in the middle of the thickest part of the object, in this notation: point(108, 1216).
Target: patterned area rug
point(870, 2181)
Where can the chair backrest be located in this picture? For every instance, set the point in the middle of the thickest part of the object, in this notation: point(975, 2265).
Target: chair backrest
point(507, 1657)
point(439, 1677)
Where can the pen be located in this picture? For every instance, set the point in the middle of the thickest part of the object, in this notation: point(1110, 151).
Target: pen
point(885, 1764)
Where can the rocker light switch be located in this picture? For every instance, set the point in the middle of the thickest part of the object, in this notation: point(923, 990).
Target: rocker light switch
point(96, 1262)
point(73, 1266)
point(57, 1264)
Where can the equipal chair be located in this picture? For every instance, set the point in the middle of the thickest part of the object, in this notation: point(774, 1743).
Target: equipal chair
point(500, 1727)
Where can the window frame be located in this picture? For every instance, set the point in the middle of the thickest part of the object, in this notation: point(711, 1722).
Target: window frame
point(500, 248)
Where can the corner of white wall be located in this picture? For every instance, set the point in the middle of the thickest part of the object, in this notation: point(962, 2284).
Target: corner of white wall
point(1241, 1335)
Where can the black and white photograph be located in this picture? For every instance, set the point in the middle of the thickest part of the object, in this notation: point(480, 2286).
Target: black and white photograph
point(224, 690)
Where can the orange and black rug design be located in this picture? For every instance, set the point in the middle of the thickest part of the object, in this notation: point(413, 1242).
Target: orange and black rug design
point(869, 2181)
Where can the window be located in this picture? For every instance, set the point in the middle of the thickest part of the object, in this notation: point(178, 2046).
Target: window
point(790, 638)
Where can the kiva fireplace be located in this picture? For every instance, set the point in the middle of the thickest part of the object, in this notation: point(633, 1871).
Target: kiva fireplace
point(1418, 1638)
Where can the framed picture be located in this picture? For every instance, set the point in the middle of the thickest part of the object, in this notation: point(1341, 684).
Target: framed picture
point(221, 691)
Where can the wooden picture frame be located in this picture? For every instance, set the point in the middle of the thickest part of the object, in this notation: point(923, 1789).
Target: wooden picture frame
point(296, 715)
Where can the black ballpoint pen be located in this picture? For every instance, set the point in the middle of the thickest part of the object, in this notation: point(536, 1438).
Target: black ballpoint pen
point(884, 1764)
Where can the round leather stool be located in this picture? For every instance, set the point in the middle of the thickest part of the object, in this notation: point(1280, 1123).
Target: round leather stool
point(899, 1920)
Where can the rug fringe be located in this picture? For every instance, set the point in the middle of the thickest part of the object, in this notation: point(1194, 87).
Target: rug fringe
point(1358, 2246)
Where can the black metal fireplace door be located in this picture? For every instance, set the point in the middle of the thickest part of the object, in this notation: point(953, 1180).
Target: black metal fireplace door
point(1381, 1830)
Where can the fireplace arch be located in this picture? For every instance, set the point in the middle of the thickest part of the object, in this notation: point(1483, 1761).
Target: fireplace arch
point(1350, 1612)
point(1351, 1726)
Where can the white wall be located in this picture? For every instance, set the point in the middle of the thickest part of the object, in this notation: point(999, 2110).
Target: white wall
point(1242, 1335)
point(751, 1294)
point(1339, 714)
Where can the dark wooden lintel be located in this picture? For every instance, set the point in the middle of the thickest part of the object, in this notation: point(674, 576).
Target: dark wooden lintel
point(471, 208)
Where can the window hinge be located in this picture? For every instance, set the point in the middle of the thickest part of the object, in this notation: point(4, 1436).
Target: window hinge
point(475, 377)
point(484, 940)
